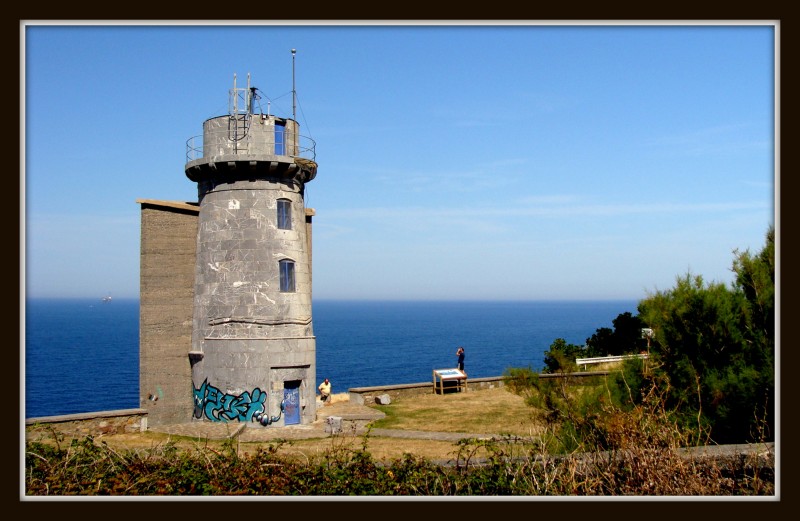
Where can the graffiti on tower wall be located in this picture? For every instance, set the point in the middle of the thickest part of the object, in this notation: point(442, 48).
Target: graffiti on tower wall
point(218, 406)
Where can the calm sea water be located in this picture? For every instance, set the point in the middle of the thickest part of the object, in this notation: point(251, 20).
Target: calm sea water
point(81, 355)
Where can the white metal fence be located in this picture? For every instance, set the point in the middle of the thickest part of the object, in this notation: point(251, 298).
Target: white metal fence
point(604, 359)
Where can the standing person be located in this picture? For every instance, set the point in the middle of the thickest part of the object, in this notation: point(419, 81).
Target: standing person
point(460, 354)
point(325, 391)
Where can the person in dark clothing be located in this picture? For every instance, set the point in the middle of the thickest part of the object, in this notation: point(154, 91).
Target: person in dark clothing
point(460, 354)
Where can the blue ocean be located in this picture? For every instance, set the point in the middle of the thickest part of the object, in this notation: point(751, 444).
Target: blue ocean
point(81, 355)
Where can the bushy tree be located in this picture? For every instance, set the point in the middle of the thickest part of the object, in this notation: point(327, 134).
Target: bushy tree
point(712, 358)
point(716, 346)
point(601, 343)
point(625, 338)
point(566, 405)
point(755, 280)
point(628, 333)
point(560, 358)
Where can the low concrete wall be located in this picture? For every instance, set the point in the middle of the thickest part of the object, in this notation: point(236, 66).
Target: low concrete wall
point(85, 424)
point(366, 395)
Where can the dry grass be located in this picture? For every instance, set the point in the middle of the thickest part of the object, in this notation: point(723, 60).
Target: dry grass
point(382, 449)
point(489, 411)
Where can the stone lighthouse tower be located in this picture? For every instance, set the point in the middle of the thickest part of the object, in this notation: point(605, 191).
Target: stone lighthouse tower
point(253, 356)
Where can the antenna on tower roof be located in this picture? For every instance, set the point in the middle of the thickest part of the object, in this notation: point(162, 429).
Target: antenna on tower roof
point(294, 91)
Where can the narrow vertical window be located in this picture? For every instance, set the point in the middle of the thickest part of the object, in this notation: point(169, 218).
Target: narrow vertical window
point(284, 214)
point(287, 276)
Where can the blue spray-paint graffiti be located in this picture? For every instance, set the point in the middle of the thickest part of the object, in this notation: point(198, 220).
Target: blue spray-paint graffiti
point(221, 407)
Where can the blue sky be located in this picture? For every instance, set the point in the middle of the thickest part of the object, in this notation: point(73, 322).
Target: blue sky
point(481, 162)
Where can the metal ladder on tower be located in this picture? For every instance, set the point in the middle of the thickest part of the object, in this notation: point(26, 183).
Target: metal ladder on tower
point(239, 120)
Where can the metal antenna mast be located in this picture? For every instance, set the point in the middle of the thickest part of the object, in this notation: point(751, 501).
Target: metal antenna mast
point(294, 91)
point(294, 107)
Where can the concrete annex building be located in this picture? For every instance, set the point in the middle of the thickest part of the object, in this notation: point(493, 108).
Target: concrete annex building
point(226, 332)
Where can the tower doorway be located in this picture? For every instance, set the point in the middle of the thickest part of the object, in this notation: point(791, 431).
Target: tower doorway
point(291, 402)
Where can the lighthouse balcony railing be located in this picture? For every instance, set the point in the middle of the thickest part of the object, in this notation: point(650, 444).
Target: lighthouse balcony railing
point(198, 147)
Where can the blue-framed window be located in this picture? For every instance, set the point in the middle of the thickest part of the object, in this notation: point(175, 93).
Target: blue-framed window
point(287, 275)
point(284, 214)
point(280, 138)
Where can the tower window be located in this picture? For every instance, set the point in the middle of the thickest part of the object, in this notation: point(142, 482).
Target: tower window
point(284, 214)
point(280, 133)
point(287, 276)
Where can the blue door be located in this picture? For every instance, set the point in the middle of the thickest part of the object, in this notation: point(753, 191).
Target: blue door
point(291, 403)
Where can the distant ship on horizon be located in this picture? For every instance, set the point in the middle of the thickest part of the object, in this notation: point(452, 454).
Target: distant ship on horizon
point(106, 299)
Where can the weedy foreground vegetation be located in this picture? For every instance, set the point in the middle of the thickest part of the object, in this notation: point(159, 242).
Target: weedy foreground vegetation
point(708, 380)
point(643, 454)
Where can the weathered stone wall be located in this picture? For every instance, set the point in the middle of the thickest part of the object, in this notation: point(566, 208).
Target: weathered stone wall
point(167, 263)
point(86, 424)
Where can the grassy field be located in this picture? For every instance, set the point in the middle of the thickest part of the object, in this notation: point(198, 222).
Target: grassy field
point(494, 411)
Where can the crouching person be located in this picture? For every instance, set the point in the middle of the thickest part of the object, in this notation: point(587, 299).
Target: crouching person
point(325, 391)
